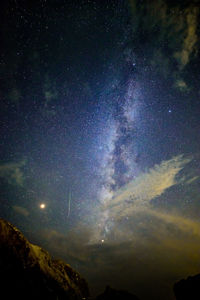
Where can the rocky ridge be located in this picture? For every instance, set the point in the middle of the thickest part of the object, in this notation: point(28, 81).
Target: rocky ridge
point(27, 271)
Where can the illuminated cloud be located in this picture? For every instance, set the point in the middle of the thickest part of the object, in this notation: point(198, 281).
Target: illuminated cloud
point(191, 180)
point(176, 26)
point(146, 187)
point(188, 226)
point(72, 245)
point(181, 85)
point(189, 43)
point(12, 172)
point(21, 210)
point(135, 201)
point(134, 205)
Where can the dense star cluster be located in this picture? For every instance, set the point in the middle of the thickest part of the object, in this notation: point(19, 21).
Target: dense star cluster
point(100, 136)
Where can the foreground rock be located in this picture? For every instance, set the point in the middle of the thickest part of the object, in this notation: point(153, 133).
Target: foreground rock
point(112, 294)
point(28, 272)
point(188, 288)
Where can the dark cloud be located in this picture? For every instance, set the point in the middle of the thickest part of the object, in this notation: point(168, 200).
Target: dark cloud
point(168, 35)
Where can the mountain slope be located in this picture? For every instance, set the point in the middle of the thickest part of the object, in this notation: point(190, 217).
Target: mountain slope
point(28, 271)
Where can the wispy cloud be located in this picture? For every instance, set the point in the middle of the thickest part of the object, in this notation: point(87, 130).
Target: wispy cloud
point(178, 24)
point(189, 43)
point(136, 201)
point(12, 172)
point(146, 187)
point(21, 210)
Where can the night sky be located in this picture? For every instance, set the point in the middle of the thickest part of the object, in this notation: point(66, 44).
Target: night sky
point(100, 136)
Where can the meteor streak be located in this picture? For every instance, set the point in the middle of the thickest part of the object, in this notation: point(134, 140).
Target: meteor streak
point(69, 203)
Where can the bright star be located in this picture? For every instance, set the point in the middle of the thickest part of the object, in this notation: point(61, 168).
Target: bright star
point(42, 206)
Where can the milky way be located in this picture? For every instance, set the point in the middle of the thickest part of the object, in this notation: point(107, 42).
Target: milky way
point(120, 158)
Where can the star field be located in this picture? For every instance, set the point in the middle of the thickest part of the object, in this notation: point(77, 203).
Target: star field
point(100, 137)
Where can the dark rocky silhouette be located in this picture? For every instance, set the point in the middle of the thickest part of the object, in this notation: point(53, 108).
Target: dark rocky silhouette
point(28, 272)
point(188, 288)
point(112, 294)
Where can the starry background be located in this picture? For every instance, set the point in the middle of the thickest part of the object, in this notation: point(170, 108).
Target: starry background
point(100, 137)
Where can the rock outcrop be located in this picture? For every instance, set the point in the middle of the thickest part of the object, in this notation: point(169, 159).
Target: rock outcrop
point(188, 288)
point(112, 294)
point(28, 271)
